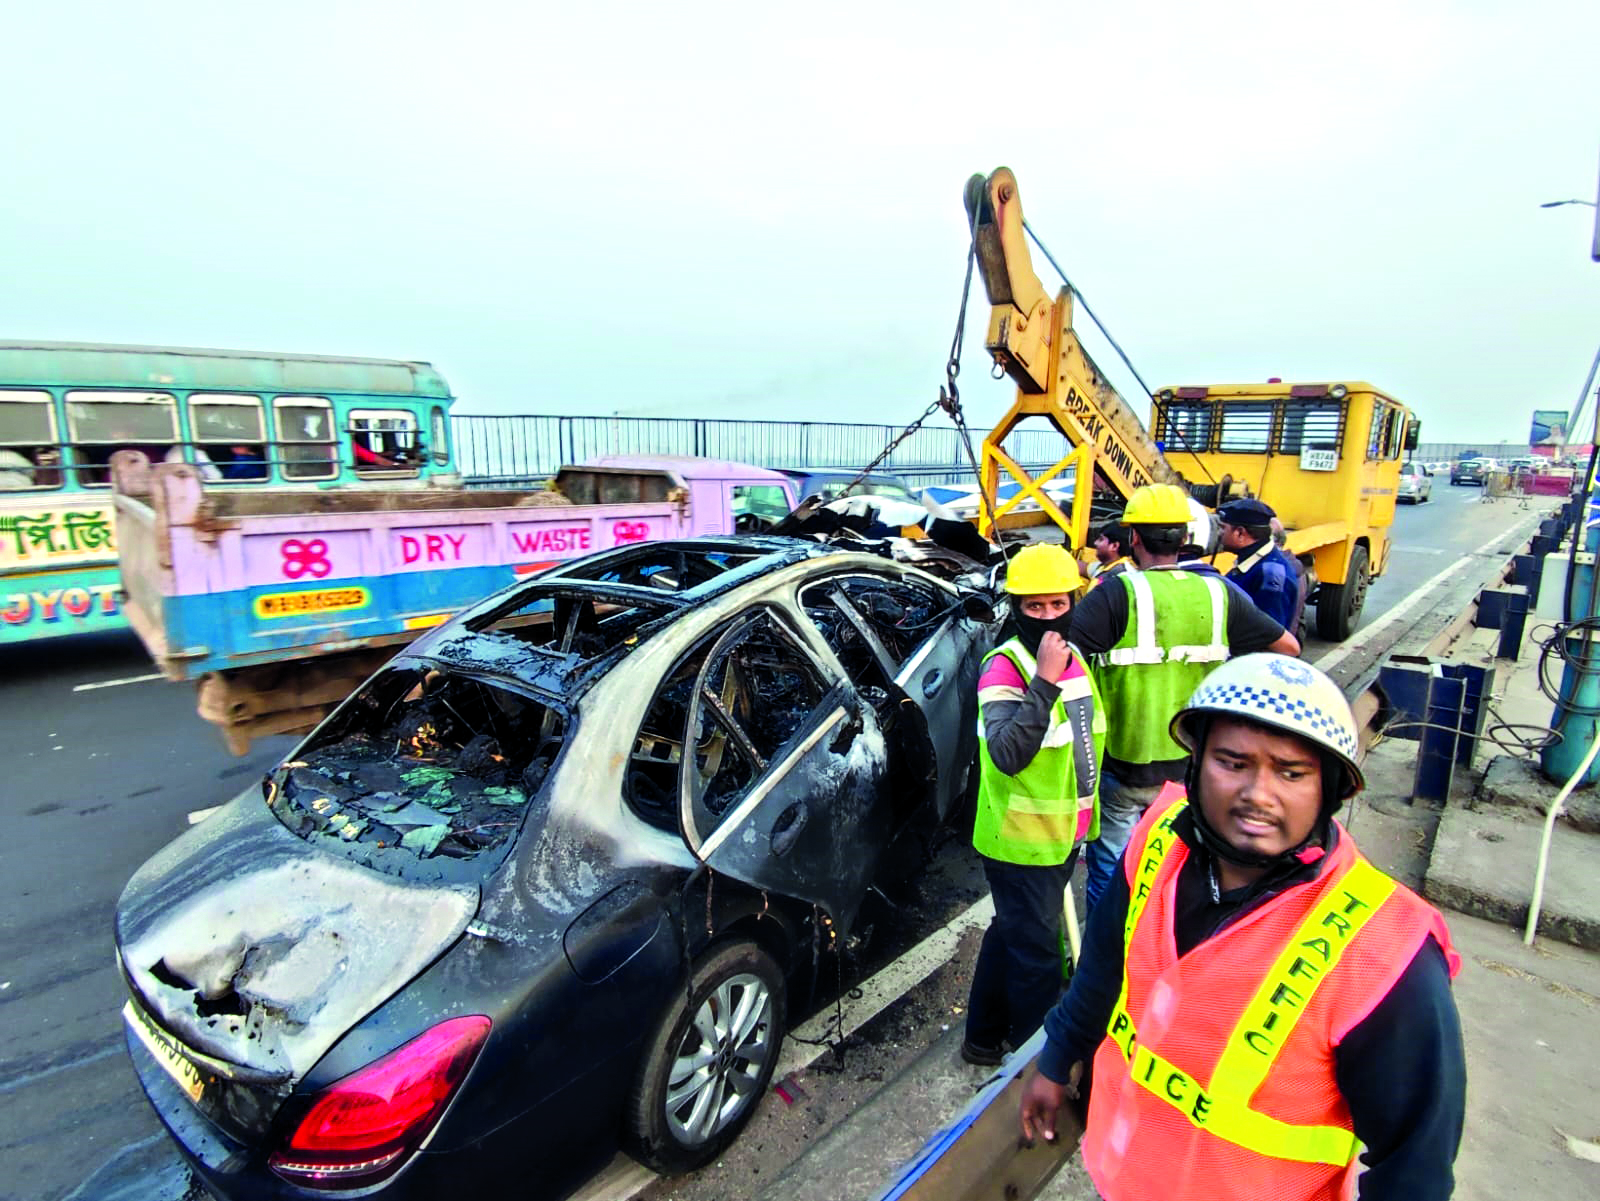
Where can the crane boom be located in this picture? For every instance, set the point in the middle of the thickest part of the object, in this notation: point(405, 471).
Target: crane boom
point(1031, 338)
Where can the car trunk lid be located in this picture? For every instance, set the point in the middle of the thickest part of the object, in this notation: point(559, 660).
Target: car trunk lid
point(249, 954)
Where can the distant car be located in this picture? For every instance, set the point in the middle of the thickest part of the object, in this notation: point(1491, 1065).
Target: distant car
point(1472, 471)
point(538, 887)
point(1416, 485)
point(831, 483)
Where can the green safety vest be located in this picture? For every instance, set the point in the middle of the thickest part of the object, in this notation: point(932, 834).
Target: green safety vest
point(1176, 634)
point(1035, 817)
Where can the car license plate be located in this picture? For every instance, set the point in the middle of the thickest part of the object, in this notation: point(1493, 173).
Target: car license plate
point(173, 1061)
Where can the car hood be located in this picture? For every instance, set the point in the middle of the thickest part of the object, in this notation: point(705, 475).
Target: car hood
point(258, 950)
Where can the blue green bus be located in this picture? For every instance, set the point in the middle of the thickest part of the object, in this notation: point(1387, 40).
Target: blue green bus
point(244, 419)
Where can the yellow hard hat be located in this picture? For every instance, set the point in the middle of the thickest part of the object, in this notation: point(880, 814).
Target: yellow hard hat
point(1042, 567)
point(1157, 504)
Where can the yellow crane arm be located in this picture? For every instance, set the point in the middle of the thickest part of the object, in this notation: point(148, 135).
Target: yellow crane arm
point(1031, 338)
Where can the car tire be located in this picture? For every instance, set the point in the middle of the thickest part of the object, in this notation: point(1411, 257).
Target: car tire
point(1339, 605)
point(709, 1061)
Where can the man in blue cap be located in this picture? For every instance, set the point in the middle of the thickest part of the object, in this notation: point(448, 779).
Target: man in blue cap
point(1267, 574)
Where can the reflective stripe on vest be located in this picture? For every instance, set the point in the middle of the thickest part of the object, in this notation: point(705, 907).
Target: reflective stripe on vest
point(1147, 650)
point(1222, 1106)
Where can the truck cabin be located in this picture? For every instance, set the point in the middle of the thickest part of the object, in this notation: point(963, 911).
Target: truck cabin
point(754, 498)
point(1318, 453)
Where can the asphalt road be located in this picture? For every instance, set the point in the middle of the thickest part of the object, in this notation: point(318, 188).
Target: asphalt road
point(1430, 540)
point(98, 779)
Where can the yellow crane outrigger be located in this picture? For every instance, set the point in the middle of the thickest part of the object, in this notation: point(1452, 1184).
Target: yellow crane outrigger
point(1326, 456)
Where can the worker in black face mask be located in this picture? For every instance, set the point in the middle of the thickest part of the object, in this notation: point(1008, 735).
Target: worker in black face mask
point(1040, 735)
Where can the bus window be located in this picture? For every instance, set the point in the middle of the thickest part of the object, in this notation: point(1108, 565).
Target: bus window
point(30, 452)
point(383, 441)
point(1311, 425)
point(1383, 441)
point(441, 437)
point(228, 437)
point(101, 423)
point(307, 444)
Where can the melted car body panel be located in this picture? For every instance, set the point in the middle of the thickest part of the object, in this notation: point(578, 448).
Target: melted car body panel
point(253, 948)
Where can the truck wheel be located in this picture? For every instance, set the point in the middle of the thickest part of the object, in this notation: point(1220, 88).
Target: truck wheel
point(1339, 605)
point(709, 1061)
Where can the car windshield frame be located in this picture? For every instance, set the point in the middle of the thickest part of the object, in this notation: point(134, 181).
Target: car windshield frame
point(397, 861)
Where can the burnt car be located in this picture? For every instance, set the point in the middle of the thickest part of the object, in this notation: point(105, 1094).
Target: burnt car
point(537, 890)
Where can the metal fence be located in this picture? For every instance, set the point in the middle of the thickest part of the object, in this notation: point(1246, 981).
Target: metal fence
point(1449, 452)
point(511, 451)
point(502, 452)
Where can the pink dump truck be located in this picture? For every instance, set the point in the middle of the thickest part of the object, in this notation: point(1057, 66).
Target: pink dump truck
point(280, 602)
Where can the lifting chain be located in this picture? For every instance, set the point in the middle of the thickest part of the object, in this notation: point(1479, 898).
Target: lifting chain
point(949, 400)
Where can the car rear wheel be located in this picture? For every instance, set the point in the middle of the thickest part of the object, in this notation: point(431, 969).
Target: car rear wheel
point(1339, 605)
point(709, 1061)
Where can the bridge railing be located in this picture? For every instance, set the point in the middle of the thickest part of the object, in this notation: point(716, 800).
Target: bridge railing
point(511, 450)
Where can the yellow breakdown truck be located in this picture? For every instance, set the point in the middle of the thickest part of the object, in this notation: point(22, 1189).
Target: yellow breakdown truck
point(1325, 456)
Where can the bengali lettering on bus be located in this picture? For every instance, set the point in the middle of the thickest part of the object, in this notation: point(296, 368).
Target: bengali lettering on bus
point(36, 538)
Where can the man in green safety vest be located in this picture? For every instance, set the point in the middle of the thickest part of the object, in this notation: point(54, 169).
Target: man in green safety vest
point(1153, 640)
point(1040, 736)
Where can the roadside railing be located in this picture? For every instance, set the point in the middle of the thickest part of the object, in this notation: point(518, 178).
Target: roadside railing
point(508, 451)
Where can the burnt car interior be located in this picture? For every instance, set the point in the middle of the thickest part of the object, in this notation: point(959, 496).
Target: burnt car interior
point(874, 626)
point(756, 690)
point(422, 763)
point(596, 605)
point(761, 689)
point(668, 567)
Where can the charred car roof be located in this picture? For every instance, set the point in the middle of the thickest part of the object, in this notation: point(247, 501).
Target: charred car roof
point(596, 609)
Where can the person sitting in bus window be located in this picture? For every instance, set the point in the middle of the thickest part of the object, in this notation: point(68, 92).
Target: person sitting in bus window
point(371, 459)
point(202, 462)
point(16, 471)
point(25, 467)
point(246, 464)
point(47, 467)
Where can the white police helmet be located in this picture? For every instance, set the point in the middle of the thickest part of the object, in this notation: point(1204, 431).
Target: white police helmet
point(1281, 693)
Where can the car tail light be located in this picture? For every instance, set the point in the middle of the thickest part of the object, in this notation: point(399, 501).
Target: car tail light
point(366, 1124)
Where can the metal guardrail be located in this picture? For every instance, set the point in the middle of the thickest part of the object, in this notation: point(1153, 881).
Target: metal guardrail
point(496, 450)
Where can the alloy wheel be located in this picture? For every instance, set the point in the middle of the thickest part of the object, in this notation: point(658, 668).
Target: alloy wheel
point(721, 1061)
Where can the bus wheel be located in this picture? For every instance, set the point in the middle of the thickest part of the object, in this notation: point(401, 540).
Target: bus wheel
point(1339, 605)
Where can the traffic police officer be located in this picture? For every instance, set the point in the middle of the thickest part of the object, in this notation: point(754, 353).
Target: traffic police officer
point(1268, 575)
point(1260, 1002)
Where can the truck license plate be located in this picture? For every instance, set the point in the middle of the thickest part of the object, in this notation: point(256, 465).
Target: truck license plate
point(173, 1061)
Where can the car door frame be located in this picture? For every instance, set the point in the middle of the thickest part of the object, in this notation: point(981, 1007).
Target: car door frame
point(789, 833)
point(935, 678)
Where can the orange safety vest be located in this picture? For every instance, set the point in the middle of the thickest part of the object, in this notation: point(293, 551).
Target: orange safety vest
point(1216, 1079)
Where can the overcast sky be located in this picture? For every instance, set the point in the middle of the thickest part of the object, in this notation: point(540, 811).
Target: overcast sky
point(755, 210)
